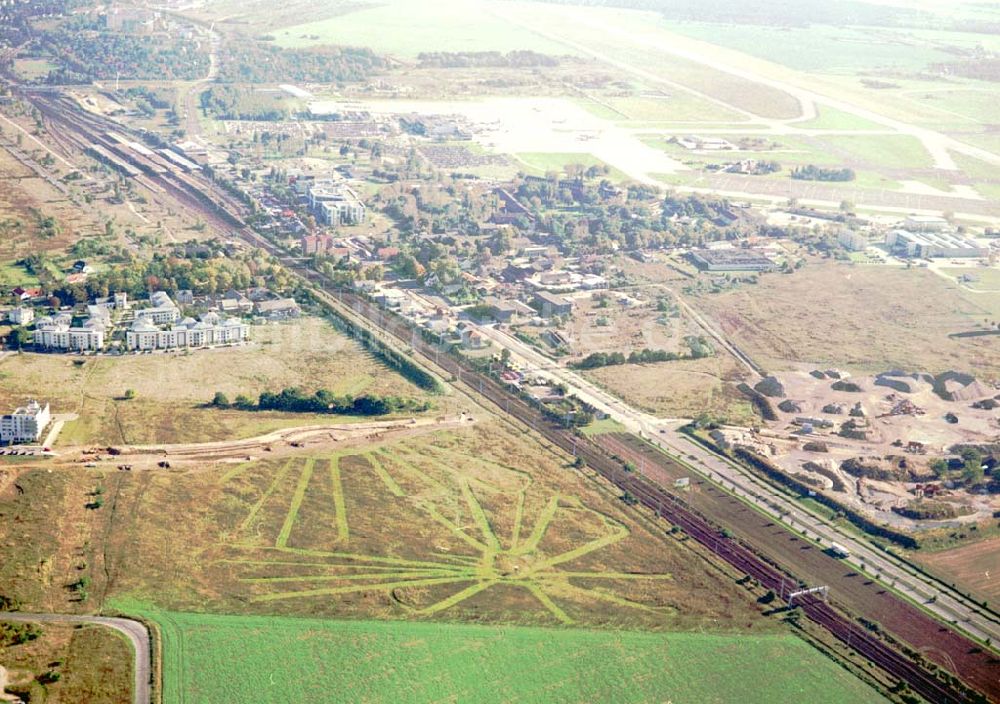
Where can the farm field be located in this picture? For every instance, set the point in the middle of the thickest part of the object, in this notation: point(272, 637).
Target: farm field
point(88, 664)
point(908, 315)
point(221, 659)
point(973, 567)
point(171, 390)
point(681, 389)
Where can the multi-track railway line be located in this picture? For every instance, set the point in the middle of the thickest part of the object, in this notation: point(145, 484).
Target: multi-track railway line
point(603, 454)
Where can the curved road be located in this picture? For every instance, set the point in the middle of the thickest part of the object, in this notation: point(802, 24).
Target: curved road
point(133, 630)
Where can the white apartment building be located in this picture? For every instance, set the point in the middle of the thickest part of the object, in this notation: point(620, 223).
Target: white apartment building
point(25, 424)
point(58, 335)
point(21, 315)
point(335, 203)
point(164, 310)
point(210, 330)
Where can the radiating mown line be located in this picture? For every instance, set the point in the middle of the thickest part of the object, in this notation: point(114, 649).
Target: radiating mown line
point(457, 597)
point(278, 478)
point(585, 549)
point(547, 602)
point(544, 518)
point(458, 532)
point(359, 588)
point(479, 516)
point(386, 478)
point(293, 509)
point(340, 506)
point(420, 574)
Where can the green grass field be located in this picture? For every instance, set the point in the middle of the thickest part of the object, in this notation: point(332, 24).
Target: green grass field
point(819, 48)
point(882, 151)
point(538, 163)
point(832, 119)
point(13, 275)
point(209, 659)
point(406, 28)
point(985, 279)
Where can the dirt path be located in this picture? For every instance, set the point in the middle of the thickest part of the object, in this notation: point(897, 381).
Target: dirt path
point(133, 630)
point(274, 444)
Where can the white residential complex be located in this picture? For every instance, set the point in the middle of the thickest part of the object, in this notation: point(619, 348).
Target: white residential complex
point(210, 330)
point(21, 315)
point(24, 424)
point(56, 334)
point(163, 311)
point(334, 203)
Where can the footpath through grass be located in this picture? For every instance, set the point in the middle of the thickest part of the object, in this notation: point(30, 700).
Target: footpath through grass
point(211, 658)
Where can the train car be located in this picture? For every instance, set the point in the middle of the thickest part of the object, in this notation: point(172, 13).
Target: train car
point(113, 160)
point(185, 164)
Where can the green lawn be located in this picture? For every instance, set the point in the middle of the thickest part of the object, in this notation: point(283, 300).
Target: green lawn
point(606, 425)
point(819, 48)
point(32, 69)
point(406, 28)
point(538, 163)
point(986, 279)
point(209, 659)
point(832, 119)
point(13, 275)
point(883, 151)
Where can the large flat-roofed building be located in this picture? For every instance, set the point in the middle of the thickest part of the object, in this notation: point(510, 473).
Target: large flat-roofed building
point(335, 203)
point(926, 223)
point(731, 260)
point(550, 304)
point(931, 245)
point(852, 241)
point(25, 424)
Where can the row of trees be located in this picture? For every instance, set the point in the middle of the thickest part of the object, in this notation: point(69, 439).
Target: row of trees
point(295, 400)
point(811, 172)
point(698, 345)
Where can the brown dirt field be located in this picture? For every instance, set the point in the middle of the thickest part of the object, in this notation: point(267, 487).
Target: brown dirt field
point(628, 328)
point(863, 318)
point(94, 665)
point(681, 389)
point(171, 388)
point(974, 567)
point(253, 538)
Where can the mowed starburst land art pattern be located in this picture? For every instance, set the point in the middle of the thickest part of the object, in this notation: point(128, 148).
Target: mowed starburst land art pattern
point(431, 529)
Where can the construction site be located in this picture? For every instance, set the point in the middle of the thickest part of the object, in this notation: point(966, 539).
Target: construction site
point(913, 451)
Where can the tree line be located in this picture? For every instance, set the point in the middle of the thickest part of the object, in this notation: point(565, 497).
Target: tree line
point(699, 348)
point(296, 400)
point(812, 172)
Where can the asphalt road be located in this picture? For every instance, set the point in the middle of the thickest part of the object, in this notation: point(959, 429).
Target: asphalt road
point(133, 630)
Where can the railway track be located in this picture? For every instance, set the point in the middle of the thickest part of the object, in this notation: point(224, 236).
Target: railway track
point(226, 211)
